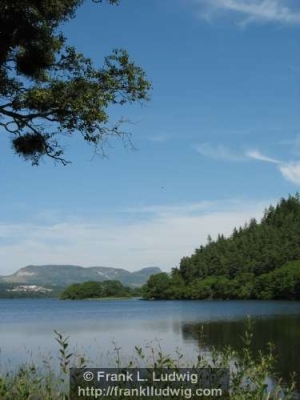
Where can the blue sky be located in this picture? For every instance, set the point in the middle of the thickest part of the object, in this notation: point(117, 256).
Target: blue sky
point(218, 142)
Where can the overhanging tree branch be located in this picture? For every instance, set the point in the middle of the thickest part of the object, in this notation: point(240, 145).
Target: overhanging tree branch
point(48, 89)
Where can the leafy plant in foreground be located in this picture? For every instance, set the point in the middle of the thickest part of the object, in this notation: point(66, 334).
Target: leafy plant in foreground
point(251, 376)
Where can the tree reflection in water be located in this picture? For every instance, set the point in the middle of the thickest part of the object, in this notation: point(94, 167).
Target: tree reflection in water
point(283, 332)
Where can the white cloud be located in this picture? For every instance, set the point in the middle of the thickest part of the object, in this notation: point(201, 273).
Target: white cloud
point(248, 11)
point(162, 239)
point(257, 155)
point(177, 209)
point(291, 172)
point(218, 152)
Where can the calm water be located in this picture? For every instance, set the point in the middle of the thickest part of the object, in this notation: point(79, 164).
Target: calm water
point(97, 327)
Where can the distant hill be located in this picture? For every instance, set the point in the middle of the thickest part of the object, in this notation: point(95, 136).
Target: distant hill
point(64, 275)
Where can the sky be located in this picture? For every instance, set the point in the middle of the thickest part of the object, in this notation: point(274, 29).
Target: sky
point(216, 145)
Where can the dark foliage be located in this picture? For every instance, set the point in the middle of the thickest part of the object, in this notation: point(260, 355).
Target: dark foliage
point(48, 89)
point(91, 290)
point(258, 261)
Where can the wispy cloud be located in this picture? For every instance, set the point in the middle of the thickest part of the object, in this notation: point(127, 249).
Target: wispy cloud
point(291, 172)
point(257, 155)
point(172, 209)
point(217, 152)
point(250, 11)
point(187, 209)
point(169, 233)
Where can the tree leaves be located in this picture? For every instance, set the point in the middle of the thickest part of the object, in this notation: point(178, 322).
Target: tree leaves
point(48, 89)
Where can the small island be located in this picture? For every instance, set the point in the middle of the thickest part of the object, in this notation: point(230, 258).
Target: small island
point(109, 289)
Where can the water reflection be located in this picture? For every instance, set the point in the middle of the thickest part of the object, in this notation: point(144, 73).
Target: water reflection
point(26, 327)
point(282, 331)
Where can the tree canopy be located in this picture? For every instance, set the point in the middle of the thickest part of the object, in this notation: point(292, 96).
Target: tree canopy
point(48, 89)
point(92, 290)
point(258, 261)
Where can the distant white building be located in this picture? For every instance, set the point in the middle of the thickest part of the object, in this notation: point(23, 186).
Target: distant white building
point(29, 288)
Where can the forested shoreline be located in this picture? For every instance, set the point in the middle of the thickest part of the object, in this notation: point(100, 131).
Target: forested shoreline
point(98, 290)
point(258, 261)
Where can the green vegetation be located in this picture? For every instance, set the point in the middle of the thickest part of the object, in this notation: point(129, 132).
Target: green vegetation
point(49, 90)
point(15, 291)
point(258, 261)
point(248, 373)
point(97, 290)
point(65, 275)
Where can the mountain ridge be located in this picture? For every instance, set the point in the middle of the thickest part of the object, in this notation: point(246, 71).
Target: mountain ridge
point(64, 275)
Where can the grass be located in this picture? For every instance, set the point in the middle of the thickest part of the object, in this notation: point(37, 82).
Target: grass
point(250, 375)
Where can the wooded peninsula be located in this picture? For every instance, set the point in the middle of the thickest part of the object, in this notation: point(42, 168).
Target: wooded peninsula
point(258, 261)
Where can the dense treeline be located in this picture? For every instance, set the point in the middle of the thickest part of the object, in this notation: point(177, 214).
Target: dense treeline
point(258, 261)
point(91, 290)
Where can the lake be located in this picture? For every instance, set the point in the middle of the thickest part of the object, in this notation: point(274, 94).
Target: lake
point(95, 328)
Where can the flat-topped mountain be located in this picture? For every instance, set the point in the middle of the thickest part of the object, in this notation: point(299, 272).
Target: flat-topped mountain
point(64, 275)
